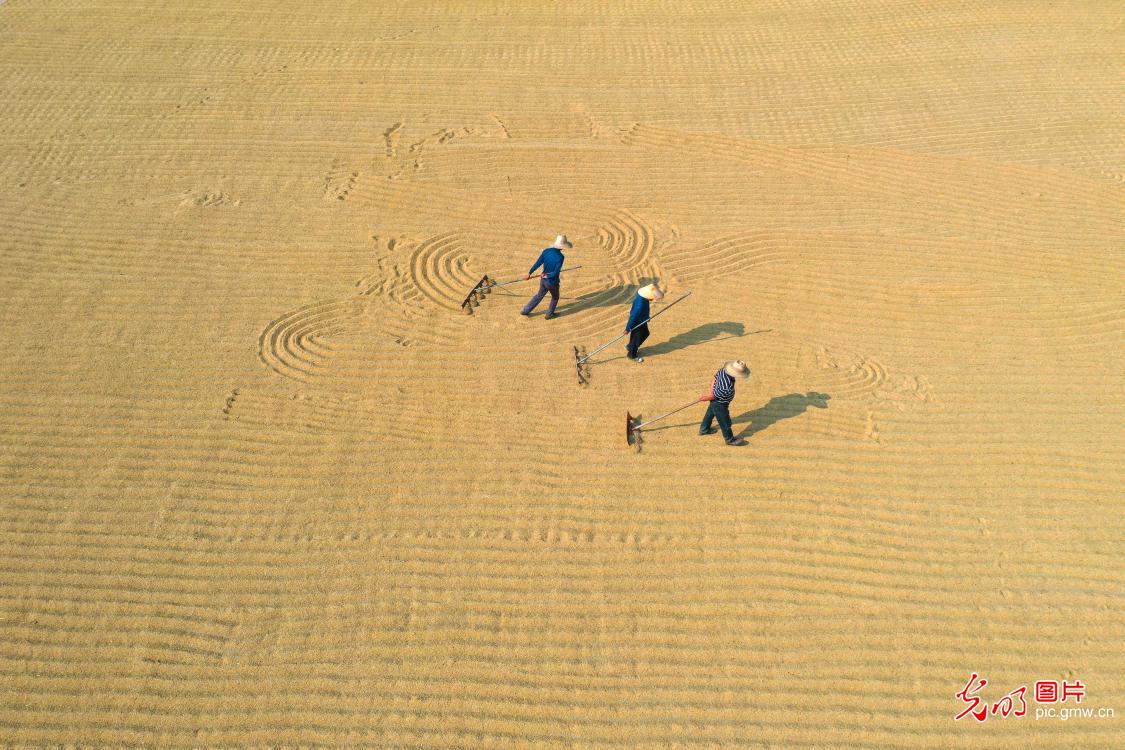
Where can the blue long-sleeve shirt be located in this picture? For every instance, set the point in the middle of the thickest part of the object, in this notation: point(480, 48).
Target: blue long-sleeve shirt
point(638, 314)
point(552, 261)
point(723, 387)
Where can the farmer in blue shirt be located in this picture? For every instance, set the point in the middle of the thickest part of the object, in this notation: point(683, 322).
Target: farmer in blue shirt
point(720, 396)
point(551, 260)
point(639, 313)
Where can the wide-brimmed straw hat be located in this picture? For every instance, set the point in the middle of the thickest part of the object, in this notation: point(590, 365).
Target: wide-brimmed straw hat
point(737, 369)
point(652, 291)
point(562, 243)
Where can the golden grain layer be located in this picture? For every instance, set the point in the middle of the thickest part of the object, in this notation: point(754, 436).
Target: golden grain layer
point(261, 482)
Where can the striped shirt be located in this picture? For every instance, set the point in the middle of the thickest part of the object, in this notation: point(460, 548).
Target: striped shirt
point(723, 387)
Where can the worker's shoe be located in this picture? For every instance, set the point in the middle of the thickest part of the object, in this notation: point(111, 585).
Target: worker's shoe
point(711, 431)
point(550, 316)
point(736, 442)
point(638, 360)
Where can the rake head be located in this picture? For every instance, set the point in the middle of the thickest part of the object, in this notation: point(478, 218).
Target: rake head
point(580, 367)
point(476, 294)
point(632, 434)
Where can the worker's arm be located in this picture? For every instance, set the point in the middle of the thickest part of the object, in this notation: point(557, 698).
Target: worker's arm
point(537, 264)
point(710, 395)
point(635, 314)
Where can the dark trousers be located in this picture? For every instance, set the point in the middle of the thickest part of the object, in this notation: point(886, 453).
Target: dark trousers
point(544, 288)
point(720, 411)
point(637, 337)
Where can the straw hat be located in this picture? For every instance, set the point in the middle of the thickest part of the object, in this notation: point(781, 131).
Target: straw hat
point(652, 291)
point(562, 243)
point(737, 369)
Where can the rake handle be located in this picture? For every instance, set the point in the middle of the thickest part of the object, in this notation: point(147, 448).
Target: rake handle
point(638, 325)
point(662, 416)
point(520, 281)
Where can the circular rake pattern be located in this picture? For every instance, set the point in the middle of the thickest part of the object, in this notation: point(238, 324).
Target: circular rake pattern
point(849, 375)
point(629, 244)
point(295, 345)
point(441, 271)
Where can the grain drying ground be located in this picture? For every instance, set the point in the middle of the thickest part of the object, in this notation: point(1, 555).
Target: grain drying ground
point(263, 483)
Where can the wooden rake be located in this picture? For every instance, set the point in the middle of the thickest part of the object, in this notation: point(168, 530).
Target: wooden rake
point(633, 430)
point(581, 359)
point(485, 286)
point(476, 294)
point(494, 284)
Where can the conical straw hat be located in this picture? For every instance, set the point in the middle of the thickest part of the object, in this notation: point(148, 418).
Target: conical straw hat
point(652, 291)
point(562, 243)
point(737, 369)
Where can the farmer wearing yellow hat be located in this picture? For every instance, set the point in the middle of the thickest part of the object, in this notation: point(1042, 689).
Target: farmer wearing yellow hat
point(720, 396)
point(639, 313)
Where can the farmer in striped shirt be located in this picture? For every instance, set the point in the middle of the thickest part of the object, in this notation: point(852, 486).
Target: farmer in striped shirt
point(720, 396)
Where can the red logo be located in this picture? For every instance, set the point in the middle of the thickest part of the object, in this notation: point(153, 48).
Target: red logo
point(1075, 691)
point(1014, 703)
point(1006, 704)
point(970, 697)
point(1046, 691)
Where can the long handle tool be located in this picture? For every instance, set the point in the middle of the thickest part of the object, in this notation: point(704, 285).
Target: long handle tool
point(493, 285)
point(631, 430)
point(579, 360)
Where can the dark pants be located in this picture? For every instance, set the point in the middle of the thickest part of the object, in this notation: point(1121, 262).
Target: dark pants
point(720, 411)
point(544, 288)
point(637, 337)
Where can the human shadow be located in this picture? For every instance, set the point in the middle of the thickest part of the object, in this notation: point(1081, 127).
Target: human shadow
point(612, 297)
point(622, 295)
point(777, 409)
point(698, 335)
